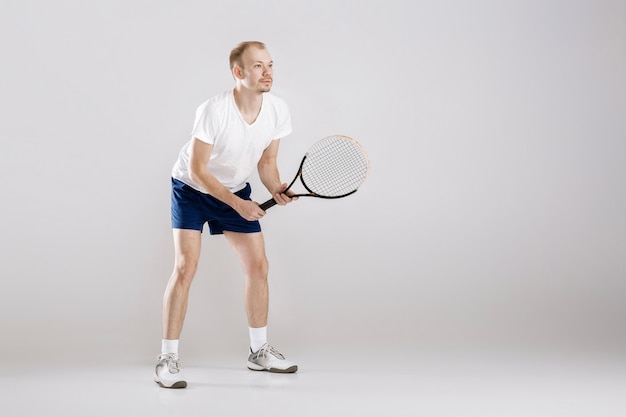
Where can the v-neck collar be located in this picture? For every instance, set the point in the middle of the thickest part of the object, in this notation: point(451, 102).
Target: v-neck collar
point(234, 103)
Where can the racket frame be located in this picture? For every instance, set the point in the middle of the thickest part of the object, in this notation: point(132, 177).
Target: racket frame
point(271, 202)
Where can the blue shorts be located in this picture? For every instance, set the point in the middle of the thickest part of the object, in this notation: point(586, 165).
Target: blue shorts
point(191, 209)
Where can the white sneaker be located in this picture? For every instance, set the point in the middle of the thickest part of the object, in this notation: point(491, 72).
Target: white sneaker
point(269, 359)
point(167, 372)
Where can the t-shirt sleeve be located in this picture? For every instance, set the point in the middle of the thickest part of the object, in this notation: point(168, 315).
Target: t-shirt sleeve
point(204, 127)
point(283, 122)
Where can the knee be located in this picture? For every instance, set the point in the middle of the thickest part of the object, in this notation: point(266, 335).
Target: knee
point(259, 269)
point(184, 271)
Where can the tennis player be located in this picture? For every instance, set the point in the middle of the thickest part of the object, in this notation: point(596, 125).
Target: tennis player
point(234, 133)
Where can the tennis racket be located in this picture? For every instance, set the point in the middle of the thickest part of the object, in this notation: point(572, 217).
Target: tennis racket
point(333, 167)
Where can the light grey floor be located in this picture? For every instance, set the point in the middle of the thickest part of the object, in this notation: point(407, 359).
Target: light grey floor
point(378, 383)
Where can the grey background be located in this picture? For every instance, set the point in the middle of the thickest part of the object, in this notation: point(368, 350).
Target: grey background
point(493, 217)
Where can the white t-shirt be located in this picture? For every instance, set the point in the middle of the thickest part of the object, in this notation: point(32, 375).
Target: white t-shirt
point(237, 145)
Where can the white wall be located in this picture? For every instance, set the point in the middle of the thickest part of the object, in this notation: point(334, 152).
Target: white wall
point(494, 214)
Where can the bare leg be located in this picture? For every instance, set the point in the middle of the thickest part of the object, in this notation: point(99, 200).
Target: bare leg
point(250, 249)
point(187, 253)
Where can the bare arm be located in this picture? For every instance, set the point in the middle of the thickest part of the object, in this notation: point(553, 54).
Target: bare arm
point(200, 153)
point(269, 175)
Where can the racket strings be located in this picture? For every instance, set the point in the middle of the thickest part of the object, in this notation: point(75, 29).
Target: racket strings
point(334, 167)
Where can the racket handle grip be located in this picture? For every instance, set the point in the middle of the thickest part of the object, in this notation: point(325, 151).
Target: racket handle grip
point(269, 203)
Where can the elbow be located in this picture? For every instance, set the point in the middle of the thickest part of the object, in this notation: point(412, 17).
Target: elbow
point(194, 175)
point(266, 165)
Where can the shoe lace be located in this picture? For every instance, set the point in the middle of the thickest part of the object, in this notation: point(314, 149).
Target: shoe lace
point(172, 362)
point(268, 349)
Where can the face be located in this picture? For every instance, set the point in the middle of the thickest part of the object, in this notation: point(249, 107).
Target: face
point(256, 73)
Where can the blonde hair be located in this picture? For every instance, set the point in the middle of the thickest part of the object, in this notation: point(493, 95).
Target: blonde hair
point(238, 51)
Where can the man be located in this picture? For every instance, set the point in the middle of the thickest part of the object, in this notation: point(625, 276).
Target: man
point(234, 133)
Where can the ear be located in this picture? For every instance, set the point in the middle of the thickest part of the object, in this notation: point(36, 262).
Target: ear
point(237, 72)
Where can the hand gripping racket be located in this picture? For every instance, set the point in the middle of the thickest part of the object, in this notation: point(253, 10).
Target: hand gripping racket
point(333, 167)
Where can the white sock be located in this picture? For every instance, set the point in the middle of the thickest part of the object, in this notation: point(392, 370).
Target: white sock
point(258, 337)
point(169, 346)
